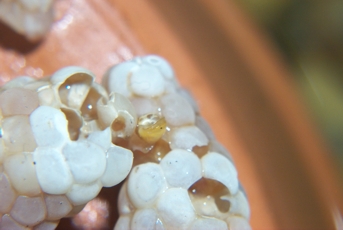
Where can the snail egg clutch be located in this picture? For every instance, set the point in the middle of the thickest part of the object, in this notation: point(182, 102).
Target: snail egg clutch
point(64, 137)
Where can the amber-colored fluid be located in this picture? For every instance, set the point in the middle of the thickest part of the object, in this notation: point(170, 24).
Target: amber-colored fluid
point(205, 188)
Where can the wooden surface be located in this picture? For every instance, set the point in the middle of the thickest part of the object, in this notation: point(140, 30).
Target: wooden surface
point(243, 91)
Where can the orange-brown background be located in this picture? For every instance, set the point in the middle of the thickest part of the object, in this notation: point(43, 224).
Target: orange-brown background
point(238, 80)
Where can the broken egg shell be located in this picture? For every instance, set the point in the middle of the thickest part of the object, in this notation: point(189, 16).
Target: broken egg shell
point(80, 74)
point(121, 103)
point(89, 106)
point(107, 113)
point(186, 137)
point(100, 90)
point(125, 123)
point(72, 84)
point(118, 113)
point(74, 121)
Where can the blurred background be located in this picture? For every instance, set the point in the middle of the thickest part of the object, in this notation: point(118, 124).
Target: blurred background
point(240, 60)
point(309, 34)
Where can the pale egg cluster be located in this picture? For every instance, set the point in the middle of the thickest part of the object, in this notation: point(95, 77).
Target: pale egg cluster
point(64, 137)
point(56, 146)
point(31, 18)
point(182, 177)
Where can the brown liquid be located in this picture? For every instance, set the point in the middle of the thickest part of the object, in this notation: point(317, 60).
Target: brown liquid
point(156, 154)
point(208, 187)
point(200, 151)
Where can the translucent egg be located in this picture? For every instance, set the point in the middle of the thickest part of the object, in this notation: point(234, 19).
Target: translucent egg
point(151, 127)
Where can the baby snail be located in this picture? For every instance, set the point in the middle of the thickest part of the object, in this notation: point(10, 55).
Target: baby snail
point(151, 127)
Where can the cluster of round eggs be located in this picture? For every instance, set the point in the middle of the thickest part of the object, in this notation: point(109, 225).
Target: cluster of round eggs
point(182, 177)
point(30, 18)
point(56, 149)
point(65, 136)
